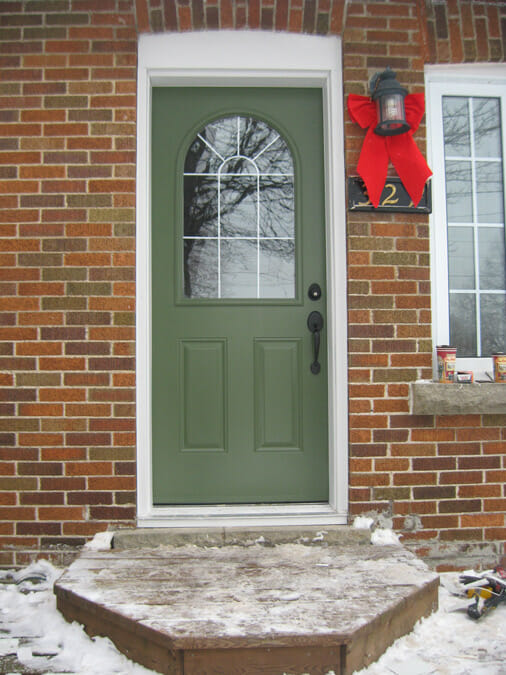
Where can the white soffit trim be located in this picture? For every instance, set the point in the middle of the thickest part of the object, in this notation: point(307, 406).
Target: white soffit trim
point(247, 58)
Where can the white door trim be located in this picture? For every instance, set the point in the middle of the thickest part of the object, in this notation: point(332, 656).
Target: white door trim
point(247, 58)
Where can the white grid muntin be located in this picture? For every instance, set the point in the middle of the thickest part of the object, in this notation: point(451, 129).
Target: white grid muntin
point(488, 80)
point(257, 174)
point(472, 159)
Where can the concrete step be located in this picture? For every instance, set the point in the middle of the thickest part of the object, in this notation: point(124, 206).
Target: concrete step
point(334, 535)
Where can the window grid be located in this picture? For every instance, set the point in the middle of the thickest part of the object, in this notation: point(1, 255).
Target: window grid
point(220, 175)
point(475, 223)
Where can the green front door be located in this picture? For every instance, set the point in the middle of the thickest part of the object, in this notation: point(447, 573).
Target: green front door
point(239, 411)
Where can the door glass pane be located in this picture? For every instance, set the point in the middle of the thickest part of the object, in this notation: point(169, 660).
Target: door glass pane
point(199, 219)
point(277, 273)
point(475, 197)
point(201, 268)
point(238, 205)
point(238, 268)
point(239, 192)
point(276, 207)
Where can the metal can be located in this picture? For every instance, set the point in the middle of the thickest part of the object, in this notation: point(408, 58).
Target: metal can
point(499, 359)
point(446, 361)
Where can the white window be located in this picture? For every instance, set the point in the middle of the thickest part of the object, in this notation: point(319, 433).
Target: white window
point(466, 124)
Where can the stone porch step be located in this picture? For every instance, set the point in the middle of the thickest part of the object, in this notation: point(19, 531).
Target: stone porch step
point(253, 607)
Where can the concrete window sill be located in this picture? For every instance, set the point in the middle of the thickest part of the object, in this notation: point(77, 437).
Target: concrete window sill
point(433, 398)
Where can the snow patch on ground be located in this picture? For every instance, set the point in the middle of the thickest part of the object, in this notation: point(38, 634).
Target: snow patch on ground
point(102, 541)
point(363, 523)
point(382, 537)
point(31, 629)
point(35, 633)
point(448, 642)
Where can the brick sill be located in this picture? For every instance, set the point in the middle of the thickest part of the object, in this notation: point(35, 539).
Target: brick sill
point(433, 398)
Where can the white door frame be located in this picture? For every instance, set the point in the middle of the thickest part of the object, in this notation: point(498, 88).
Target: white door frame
point(247, 58)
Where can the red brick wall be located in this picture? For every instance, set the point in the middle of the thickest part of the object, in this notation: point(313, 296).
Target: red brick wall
point(438, 480)
point(67, 243)
point(67, 213)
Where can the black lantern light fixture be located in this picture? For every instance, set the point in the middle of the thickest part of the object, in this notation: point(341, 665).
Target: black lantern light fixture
point(388, 95)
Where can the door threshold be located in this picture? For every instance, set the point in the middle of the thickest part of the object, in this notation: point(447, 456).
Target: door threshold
point(206, 537)
point(238, 515)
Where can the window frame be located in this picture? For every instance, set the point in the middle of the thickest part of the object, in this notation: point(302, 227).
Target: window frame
point(487, 80)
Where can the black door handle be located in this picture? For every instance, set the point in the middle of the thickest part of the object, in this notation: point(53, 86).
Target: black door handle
point(315, 324)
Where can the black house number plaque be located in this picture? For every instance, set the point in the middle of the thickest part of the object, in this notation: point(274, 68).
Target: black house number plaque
point(394, 197)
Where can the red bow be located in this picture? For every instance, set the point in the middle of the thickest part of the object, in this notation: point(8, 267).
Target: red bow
point(401, 150)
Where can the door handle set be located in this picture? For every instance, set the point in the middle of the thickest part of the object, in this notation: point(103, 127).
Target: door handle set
point(315, 325)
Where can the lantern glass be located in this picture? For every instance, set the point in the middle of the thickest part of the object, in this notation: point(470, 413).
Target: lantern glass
point(391, 116)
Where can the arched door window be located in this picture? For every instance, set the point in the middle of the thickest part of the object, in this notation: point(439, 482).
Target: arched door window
point(239, 214)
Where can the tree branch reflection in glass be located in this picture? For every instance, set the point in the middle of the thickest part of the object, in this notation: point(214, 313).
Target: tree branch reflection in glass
point(239, 214)
point(475, 216)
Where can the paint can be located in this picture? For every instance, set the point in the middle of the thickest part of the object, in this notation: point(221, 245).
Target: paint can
point(446, 361)
point(499, 360)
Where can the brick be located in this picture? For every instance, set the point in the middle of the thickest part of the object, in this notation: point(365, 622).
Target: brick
point(392, 464)
point(63, 454)
point(112, 454)
point(487, 462)
point(112, 425)
point(415, 478)
point(17, 394)
point(40, 410)
point(434, 463)
point(58, 513)
point(87, 380)
point(62, 363)
point(30, 439)
point(88, 318)
point(112, 512)
point(460, 506)
point(63, 333)
point(64, 274)
point(482, 520)
point(84, 529)
point(88, 468)
point(37, 498)
point(363, 479)
point(88, 348)
point(87, 498)
point(469, 491)
point(93, 439)
point(440, 522)
point(112, 483)
point(434, 492)
point(88, 410)
point(63, 303)
point(494, 505)
point(40, 469)
point(112, 394)
point(460, 477)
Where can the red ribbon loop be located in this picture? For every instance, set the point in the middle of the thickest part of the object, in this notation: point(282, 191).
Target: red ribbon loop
point(401, 150)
